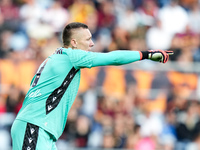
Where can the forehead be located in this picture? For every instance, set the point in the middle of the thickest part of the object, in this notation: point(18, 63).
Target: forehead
point(81, 33)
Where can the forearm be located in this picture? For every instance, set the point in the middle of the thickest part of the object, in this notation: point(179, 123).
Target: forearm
point(118, 57)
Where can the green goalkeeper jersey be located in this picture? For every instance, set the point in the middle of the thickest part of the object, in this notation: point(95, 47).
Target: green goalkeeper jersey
point(55, 85)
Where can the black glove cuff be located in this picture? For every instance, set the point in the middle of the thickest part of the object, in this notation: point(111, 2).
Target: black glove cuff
point(145, 54)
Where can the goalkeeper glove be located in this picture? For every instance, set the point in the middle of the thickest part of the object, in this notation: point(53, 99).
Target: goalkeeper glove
point(157, 55)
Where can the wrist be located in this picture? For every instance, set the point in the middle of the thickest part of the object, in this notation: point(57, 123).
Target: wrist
point(145, 55)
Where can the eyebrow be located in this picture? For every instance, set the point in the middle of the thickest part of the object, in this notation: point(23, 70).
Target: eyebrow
point(89, 38)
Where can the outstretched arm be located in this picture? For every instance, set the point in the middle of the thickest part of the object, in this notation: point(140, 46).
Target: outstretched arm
point(116, 58)
point(121, 57)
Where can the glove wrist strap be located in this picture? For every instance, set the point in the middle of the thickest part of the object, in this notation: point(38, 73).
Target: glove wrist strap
point(145, 54)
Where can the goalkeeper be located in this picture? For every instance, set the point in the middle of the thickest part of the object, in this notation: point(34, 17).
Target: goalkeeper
point(53, 89)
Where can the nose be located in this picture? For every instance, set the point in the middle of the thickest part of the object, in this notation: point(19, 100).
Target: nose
point(91, 43)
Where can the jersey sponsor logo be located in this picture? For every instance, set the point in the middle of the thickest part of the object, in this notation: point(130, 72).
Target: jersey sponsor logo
point(35, 94)
point(54, 98)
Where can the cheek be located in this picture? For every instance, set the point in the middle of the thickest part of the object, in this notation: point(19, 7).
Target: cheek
point(84, 45)
point(87, 43)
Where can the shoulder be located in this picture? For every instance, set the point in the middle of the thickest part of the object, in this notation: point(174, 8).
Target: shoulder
point(70, 51)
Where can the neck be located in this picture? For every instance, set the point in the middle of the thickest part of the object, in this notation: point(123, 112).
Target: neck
point(72, 47)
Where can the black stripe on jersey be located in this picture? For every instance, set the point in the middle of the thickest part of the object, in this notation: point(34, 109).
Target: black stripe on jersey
point(55, 97)
point(31, 136)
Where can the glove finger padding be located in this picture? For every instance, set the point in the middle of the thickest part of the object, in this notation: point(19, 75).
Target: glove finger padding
point(169, 52)
point(166, 59)
point(159, 55)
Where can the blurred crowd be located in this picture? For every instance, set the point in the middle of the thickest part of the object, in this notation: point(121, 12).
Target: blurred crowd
point(119, 108)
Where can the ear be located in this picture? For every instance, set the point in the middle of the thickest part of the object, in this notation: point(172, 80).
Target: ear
point(74, 43)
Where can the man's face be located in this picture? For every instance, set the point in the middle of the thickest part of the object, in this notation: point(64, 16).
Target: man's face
point(82, 39)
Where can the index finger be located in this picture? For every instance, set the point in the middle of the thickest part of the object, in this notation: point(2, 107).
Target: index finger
point(169, 52)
